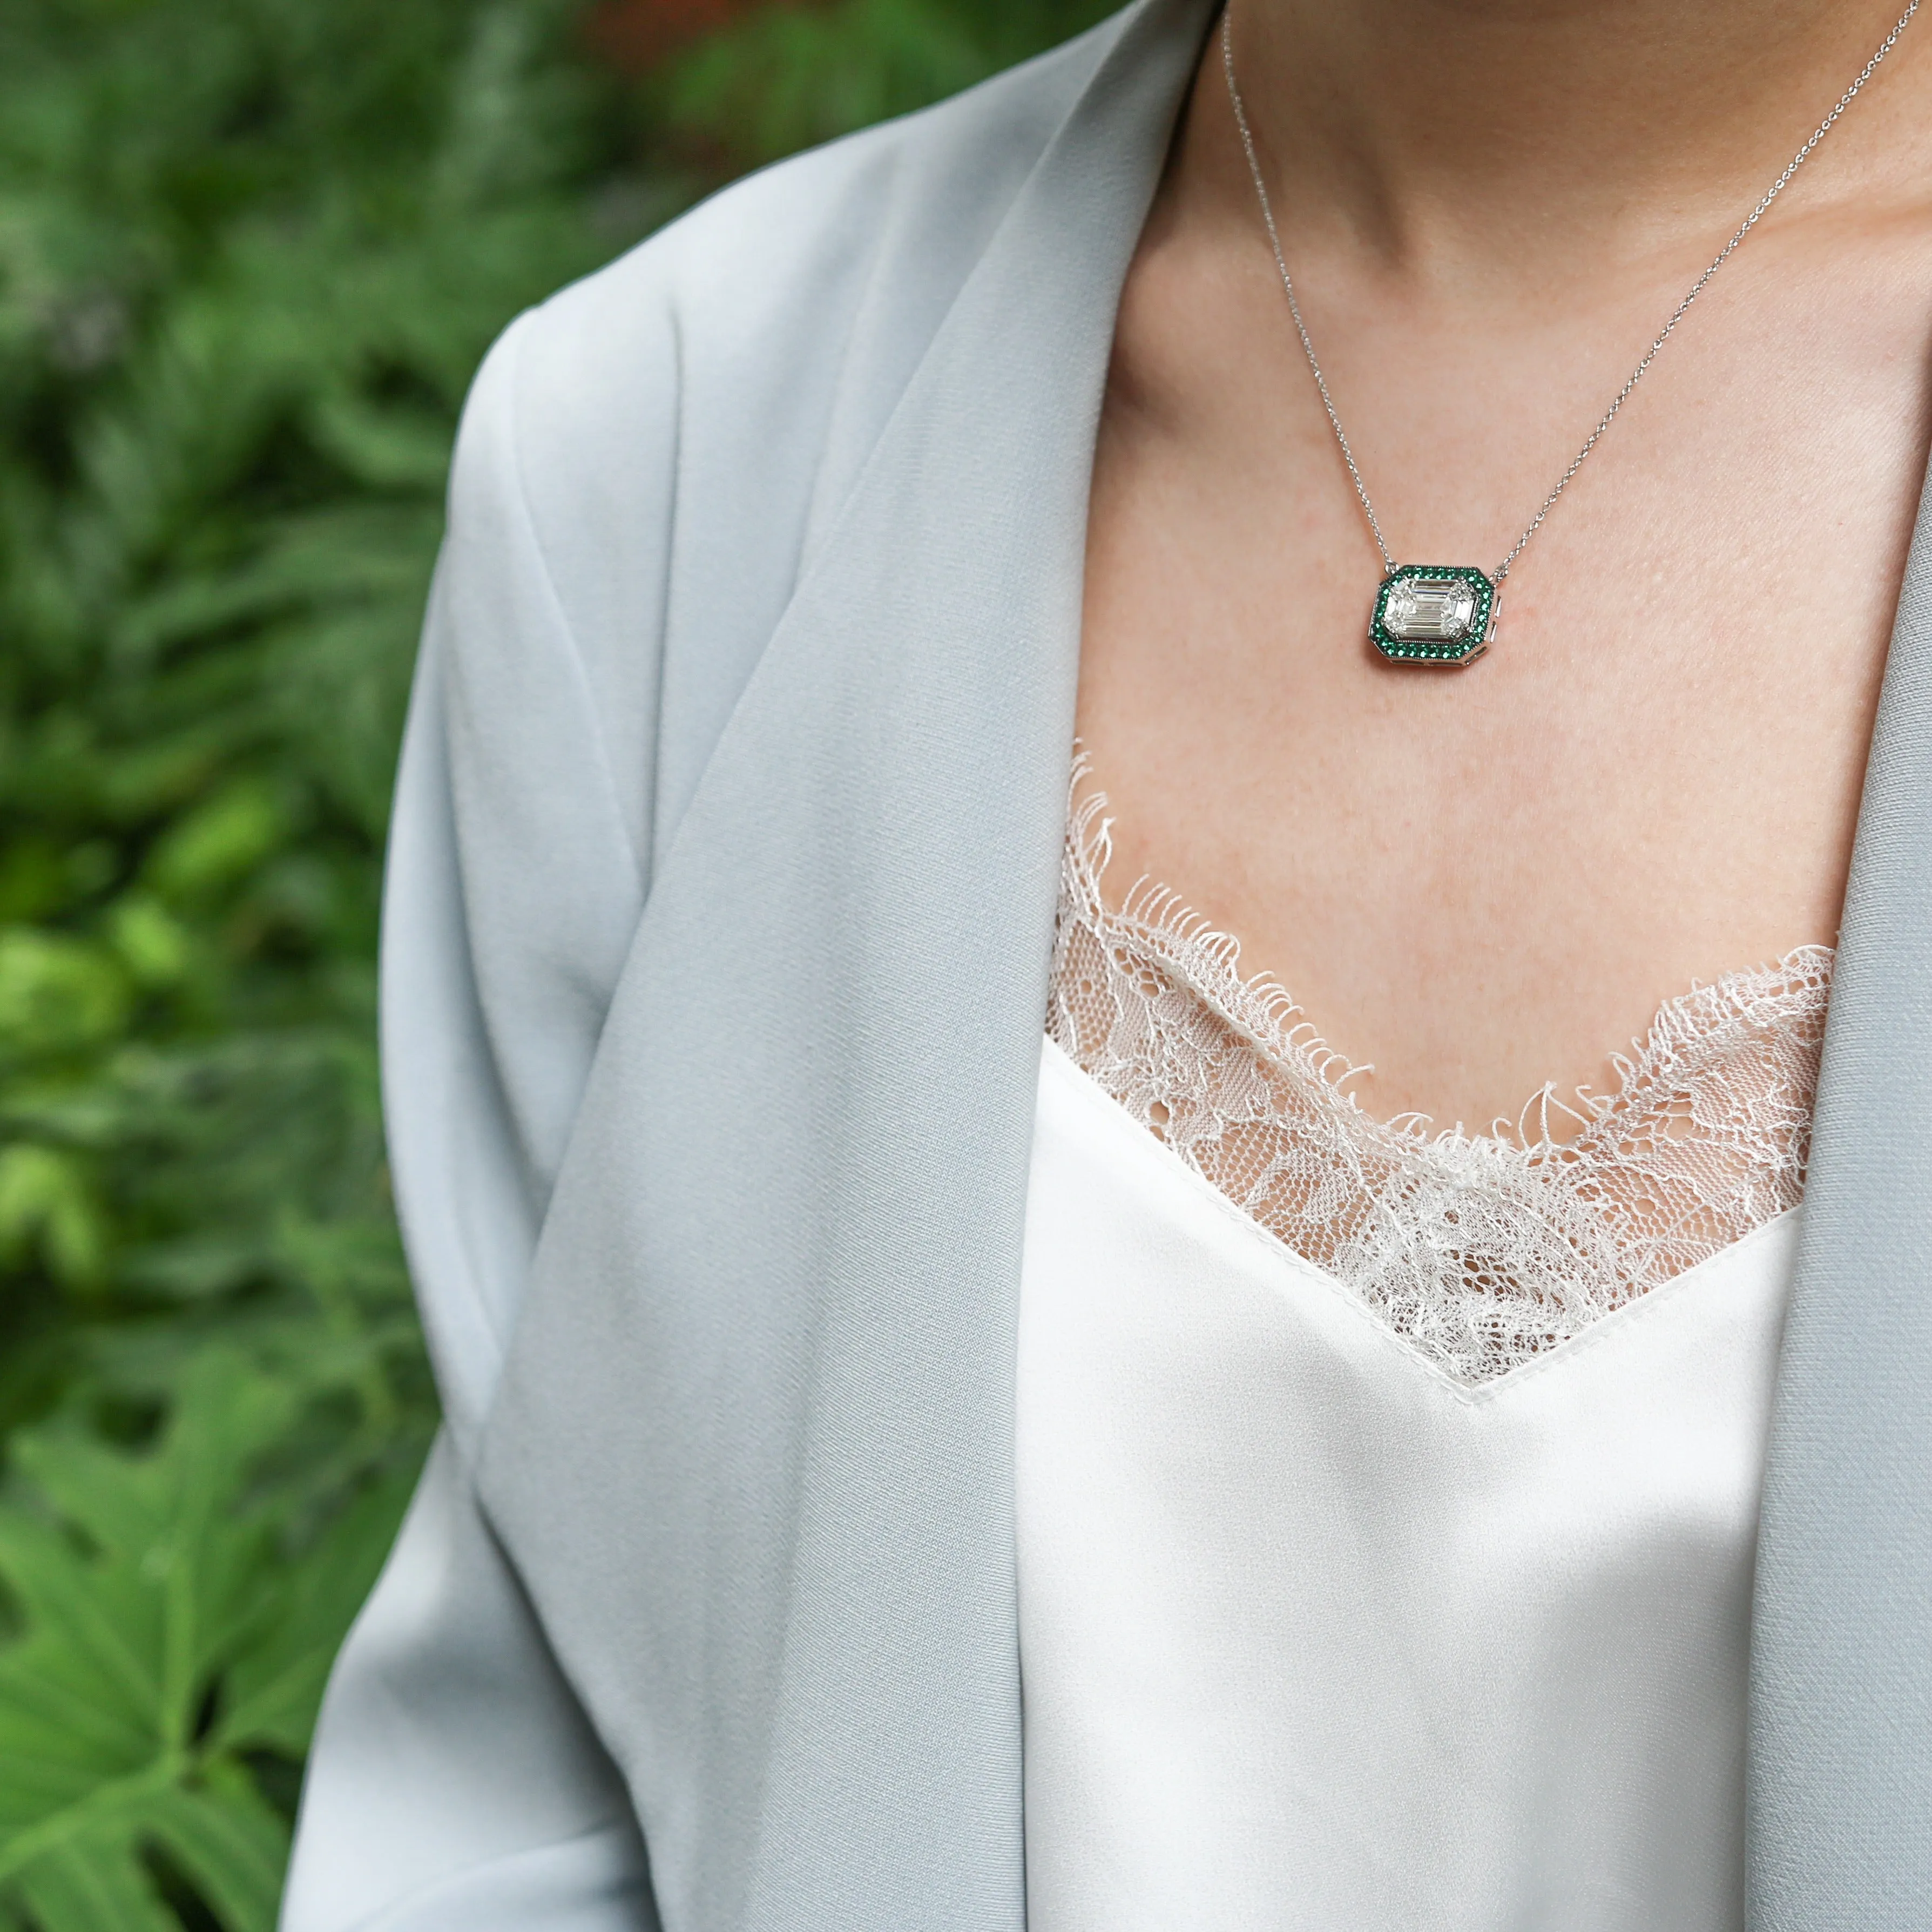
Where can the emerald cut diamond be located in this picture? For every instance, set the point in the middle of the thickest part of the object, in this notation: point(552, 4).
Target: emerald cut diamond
point(1433, 614)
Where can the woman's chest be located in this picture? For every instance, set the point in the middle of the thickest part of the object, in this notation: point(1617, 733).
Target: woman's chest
point(1478, 880)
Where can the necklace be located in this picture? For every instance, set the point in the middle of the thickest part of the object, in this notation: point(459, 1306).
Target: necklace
point(1447, 613)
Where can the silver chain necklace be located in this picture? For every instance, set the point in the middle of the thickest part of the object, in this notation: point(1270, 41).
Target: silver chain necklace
point(1447, 613)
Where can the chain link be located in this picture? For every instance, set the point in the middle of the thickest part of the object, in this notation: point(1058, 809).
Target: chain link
point(1636, 375)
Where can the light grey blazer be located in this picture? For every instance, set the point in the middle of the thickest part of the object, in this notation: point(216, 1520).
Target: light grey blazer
point(719, 910)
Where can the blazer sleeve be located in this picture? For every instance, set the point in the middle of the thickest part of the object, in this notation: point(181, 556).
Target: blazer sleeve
point(455, 1784)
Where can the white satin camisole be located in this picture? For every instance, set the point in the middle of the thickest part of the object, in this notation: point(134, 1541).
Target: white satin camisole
point(1406, 1587)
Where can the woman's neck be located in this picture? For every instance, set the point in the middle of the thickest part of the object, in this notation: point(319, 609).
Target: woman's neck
point(1449, 138)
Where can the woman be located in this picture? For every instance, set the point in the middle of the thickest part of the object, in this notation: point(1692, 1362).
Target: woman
point(1370, 1511)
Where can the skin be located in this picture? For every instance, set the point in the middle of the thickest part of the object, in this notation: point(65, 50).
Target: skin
point(1483, 879)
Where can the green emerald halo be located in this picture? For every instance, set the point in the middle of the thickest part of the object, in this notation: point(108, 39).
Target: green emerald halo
point(1433, 613)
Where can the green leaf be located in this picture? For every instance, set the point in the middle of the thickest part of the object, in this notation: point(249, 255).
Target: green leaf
point(146, 1580)
point(225, 1840)
point(72, 1889)
point(48, 1206)
point(219, 842)
point(152, 943)
point(57, 993)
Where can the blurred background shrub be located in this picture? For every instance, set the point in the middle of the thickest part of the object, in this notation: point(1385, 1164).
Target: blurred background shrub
point(250, 252)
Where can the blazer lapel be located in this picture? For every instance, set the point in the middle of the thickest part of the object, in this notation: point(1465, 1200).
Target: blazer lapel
point(752, 1452)
point(1839, 1829)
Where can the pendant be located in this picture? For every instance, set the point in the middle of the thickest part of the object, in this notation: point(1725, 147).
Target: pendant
point(1434, 614)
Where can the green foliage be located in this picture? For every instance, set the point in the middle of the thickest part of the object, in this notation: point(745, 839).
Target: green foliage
point(790, 75)
point(165, 1644)
point(250, 252)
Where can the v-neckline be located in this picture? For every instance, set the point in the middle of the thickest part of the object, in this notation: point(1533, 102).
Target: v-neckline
point(1481, 1251)
point(1780, 1231)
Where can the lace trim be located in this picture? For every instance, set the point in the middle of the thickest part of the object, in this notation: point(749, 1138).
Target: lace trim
point(1480, 1251)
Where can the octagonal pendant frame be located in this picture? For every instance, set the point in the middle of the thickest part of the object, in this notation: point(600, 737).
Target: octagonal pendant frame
point(1403, 646)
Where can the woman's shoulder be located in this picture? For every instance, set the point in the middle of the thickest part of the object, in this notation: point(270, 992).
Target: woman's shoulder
point(648, 459)
point(811, 287)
